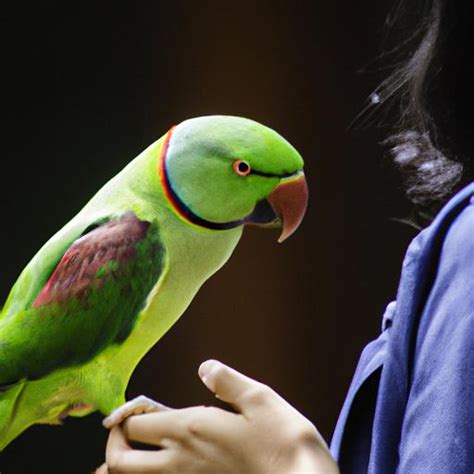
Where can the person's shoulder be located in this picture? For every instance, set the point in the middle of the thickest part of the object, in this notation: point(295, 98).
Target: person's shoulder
point(458, 244)
point(461, 231)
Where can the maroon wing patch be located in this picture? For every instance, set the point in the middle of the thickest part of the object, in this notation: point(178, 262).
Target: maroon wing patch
point(82, 266)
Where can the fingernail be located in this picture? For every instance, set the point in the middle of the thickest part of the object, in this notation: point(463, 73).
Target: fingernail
point(206, 368)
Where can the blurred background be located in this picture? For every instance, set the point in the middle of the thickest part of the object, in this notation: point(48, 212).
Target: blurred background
point(85, 88)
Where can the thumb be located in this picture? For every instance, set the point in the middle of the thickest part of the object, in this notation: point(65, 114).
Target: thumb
point(242, 392)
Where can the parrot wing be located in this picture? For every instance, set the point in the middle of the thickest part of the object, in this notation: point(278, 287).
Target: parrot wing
point(92, 298)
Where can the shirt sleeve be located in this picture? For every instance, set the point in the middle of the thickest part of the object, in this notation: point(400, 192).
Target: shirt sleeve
point(438, 427)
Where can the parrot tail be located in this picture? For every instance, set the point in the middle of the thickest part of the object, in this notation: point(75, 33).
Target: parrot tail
point(9, 396)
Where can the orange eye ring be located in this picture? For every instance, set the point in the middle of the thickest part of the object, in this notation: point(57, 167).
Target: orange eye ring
point(241, 167)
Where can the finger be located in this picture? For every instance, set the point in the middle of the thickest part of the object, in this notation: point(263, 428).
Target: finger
point(152, 428)
point(233, 387)
point(183, 426)
point(142, 462)
point(138, 405)
point(102, 469)
point(117, 440)
point(121, 458)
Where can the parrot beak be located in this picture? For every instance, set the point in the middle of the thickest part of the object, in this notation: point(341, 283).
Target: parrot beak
point(289, 201)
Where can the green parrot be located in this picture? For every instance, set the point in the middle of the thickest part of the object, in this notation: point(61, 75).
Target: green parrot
point(104, 289)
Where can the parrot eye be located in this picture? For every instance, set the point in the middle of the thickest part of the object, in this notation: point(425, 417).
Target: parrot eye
point(241, 167)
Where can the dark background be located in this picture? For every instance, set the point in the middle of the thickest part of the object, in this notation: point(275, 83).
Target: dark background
point(85, 89)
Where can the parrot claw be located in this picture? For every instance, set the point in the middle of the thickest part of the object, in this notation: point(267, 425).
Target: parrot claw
point(136, 406)
point(74, 409)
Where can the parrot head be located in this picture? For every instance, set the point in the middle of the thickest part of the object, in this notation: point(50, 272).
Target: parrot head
point(221, 172)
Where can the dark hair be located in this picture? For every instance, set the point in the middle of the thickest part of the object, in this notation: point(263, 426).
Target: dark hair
point(431, 91)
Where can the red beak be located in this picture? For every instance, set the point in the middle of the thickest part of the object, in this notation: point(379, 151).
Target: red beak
point(289, 201)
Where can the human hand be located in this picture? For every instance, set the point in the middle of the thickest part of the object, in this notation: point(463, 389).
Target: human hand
point(267, 435)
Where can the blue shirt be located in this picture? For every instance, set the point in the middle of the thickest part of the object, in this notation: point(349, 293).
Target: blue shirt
point(410, 406)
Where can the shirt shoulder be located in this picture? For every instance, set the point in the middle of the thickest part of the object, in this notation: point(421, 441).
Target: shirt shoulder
point(458, 246)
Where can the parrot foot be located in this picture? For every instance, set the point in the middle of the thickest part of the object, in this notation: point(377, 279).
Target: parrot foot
point(74, 409)
point(137, 406)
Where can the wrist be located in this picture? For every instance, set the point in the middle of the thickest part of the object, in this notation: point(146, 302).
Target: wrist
point(312, 455)
point(315, 460)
